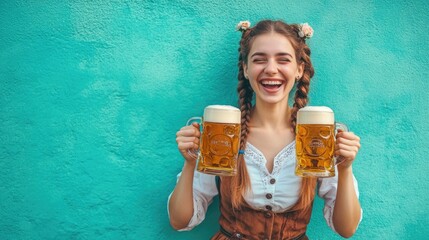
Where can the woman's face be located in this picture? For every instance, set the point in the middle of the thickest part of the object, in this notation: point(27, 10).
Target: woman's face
point(272, 67)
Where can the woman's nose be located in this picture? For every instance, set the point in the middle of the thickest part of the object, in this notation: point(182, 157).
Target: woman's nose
point(271, 67)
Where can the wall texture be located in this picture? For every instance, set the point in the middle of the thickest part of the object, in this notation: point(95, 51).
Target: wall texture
point(92, 93)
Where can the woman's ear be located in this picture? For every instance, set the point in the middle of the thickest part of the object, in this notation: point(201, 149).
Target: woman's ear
point(246, 75)
point(301, 69)
point(299, 72)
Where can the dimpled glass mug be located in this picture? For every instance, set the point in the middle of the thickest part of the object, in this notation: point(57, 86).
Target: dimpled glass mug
point(315, 141)
point(219, 141)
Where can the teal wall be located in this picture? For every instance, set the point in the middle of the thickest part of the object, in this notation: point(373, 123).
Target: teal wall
point(92, 93)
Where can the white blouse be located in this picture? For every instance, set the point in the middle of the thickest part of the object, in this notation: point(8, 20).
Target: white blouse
point(281, 183)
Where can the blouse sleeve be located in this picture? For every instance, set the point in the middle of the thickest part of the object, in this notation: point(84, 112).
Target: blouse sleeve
point(204, 189)
point(328, 191)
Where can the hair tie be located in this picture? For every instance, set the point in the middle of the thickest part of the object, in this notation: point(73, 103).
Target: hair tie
point(241, 152)
point(242, 26)
point(305, 31)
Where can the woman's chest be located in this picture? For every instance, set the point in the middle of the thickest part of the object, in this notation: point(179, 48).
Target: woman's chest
point(278, 189)
point(270, 145)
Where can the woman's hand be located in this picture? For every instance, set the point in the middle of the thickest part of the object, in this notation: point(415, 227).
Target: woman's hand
point(347, 210)
point(181, 206)
point(346, 148)
point(188, 138)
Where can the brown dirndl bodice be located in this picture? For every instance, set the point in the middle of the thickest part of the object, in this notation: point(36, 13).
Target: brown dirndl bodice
point(250, 223)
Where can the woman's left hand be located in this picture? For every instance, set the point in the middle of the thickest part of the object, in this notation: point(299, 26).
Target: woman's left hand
point(346, 148)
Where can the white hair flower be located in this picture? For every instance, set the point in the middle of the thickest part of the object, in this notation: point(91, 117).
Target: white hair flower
point(305, 31)
point(243, 26)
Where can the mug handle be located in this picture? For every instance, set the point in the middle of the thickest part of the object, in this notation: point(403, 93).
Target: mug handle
point(344, 128)
point(199, 120)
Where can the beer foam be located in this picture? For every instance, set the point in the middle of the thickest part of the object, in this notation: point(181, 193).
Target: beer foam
point(315, 115)
point(222, 114)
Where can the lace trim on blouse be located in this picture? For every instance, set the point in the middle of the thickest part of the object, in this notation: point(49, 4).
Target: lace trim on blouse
point(257, 157)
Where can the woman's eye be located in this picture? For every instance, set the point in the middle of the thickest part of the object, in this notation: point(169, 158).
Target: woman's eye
point(284, 60)
point(259, 60)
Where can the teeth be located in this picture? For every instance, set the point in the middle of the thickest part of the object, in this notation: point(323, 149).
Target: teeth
point(271, 82)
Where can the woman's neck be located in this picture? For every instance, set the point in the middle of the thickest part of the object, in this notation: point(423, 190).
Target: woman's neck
point(271, 116)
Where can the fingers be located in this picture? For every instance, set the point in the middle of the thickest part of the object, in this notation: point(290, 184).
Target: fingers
point(189, 131)
point(196, 125)
point(347, 135)
point(188, 138)
point(347, 139)
point(347, 145)
point(184, 143)
point(185, 146)
point(347, 155)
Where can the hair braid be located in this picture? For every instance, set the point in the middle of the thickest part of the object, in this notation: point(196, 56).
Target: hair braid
point(301, 99)
point(303, 86)
point(245, 94)
point(240, 183)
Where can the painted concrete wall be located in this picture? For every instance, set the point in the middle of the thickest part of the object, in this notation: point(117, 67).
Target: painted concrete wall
point(92, 93)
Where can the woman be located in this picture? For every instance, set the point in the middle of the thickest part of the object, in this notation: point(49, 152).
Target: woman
point(266, 200)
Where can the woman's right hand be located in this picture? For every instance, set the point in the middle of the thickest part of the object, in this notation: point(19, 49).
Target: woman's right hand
point(188, 139)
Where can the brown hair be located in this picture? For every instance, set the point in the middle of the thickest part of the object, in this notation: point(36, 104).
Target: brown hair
point(238, 185)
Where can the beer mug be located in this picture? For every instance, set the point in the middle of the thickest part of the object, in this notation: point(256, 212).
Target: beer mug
point(219, 141)
point(315, 141)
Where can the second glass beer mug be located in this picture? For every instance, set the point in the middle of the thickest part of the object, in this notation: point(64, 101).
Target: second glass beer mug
point(315, 141)
point(219, 140)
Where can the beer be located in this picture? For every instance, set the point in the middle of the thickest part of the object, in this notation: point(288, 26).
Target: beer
point(315, 142)
point(220, 140)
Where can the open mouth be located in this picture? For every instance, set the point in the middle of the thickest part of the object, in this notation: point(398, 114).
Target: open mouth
point(271, 85)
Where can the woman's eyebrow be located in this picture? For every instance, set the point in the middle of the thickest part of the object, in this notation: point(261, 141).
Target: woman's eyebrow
point(284, 54)
point(277, 54)
point(258, 54)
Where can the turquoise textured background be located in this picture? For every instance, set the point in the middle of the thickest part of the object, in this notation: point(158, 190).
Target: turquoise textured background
point(93, 92)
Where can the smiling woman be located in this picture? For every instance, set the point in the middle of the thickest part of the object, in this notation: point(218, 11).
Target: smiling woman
point(266, 200)
point(273, 68)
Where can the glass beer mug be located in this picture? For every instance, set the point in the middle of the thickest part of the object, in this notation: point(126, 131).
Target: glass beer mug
point(219, 141)
point(315, 141)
